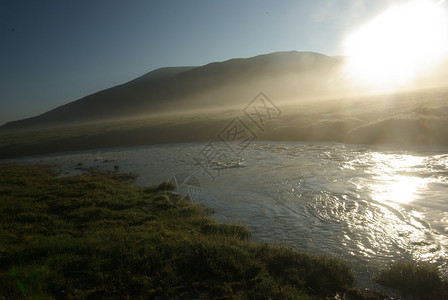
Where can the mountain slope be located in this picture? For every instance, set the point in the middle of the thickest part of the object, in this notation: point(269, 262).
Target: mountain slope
point(221, 84)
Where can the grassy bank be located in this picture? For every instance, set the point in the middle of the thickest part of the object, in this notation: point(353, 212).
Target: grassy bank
point(136, 132)
point(414, 280)
point(98, 236)
point(404, 119)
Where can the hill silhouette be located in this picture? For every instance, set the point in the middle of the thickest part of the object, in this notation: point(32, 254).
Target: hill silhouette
point(219, 84)
point(194, 104)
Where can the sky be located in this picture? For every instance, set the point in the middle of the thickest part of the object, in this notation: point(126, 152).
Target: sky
point(55, 52)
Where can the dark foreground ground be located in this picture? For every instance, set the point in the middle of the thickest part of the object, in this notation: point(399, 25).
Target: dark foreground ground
point(97, 236)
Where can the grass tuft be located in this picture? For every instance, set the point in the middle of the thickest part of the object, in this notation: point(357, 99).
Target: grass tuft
point(414, 279)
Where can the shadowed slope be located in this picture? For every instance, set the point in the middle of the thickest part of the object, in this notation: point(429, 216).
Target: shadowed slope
point(166, 90)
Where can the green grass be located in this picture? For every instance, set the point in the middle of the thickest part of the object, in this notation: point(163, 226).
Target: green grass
point(414, 279)
point(98, 236)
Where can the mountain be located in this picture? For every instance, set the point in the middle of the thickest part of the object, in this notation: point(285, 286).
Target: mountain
point(285, 75)
point(197, 104)
point(314, 102)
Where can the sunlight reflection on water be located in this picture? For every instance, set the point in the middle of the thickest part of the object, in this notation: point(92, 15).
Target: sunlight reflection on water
point(401, 189)
point(389, 185)
point(396, 182)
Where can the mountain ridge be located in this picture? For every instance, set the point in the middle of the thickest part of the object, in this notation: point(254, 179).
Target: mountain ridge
point(175, 88)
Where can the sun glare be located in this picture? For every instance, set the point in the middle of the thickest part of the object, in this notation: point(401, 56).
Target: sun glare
point(399, 45)
point(391, 185)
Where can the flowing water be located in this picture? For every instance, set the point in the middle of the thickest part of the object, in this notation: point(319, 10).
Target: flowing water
point(367, 205)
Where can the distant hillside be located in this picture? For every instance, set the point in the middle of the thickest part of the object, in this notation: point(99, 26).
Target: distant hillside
point(221, 84)
point(193, 104)
point(404, 119)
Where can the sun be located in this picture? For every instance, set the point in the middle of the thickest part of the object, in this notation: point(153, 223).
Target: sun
point(399, 45)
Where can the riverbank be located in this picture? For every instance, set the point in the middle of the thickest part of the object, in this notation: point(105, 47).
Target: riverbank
point(405, 120)
point(98, 235)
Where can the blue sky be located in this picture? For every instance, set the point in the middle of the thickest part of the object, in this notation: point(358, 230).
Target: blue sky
point(55, 52)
